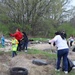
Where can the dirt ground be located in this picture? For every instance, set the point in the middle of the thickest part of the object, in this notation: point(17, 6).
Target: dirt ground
point(41, 46)
point(25, 60)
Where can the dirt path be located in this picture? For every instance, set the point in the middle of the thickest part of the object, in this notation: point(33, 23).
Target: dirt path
point(44, 46)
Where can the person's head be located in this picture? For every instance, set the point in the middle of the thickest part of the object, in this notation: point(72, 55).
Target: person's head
point(24, 33)
point(60, 33)
point(17, 29)
point(64, 33)
point(57, 33)
point(13, 37)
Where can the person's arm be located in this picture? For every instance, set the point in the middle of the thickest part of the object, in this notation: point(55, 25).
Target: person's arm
point(17, 42)
point(53, 40)
point(13, 35)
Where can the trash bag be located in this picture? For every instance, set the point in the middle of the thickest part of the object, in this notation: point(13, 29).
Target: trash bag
point(73, 49)
point(70, 65)
point(54, 44)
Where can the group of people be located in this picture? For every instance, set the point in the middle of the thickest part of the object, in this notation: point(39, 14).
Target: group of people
point(62, 50)
point(19, 42)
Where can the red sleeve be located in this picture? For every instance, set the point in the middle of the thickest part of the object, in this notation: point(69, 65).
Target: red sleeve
point(13, 35)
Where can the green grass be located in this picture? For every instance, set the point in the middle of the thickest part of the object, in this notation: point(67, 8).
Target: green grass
point(0, 46)
point(39, 52)
point(50, 56)
point(1, 52)
point(39, 39)
point(72, 72)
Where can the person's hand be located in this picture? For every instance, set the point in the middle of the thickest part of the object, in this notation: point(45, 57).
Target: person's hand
point(9, 34)
point(49, 42)
point(54, 44)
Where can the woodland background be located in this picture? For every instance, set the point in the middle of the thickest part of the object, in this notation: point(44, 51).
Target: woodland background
point(39, 18)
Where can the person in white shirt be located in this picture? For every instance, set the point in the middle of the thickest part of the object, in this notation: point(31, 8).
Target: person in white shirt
point(62, 50)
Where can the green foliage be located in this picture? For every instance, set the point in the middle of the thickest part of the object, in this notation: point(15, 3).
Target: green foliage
point(26, 28)
point(49, 28)
point(4, 29)
point(4, 18)
point(68, 29)
point(35, 17)
point(12, 26)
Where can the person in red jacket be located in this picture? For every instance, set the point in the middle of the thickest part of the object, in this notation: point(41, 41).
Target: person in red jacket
point(18, 35)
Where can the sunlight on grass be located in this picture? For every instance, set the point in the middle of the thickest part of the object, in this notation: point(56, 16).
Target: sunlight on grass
point(50, 56)
point(35, 51)
point(72, 72)
point(39, 39)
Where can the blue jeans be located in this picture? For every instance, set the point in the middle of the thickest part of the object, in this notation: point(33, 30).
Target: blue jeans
point(25, 45)
point(3, 43)
point(14, 53)
point(62, 54)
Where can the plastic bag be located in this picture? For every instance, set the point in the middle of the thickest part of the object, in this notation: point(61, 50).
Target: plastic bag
point(73, 49)
point(70, 65)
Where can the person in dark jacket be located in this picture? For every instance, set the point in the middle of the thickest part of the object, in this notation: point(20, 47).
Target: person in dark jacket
point(25, 42)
